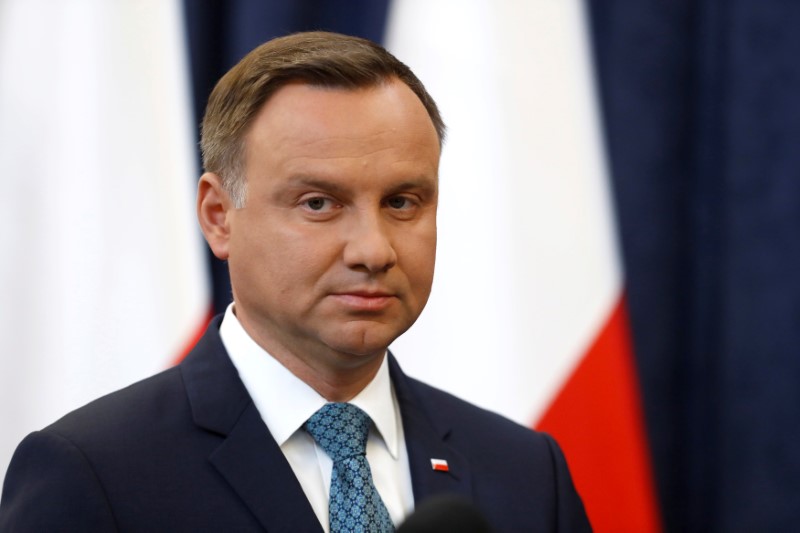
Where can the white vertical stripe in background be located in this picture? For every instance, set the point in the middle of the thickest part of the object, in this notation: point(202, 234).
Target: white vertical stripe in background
point(527, 271)
point(102, 269)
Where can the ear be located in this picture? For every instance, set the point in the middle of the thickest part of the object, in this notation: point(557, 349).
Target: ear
point(213, 209)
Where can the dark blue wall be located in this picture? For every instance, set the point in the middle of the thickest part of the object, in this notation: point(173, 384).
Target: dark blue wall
point(702, 111)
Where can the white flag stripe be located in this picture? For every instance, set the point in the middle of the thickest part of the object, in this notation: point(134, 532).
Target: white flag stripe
point(527, 271)
point(102, 270)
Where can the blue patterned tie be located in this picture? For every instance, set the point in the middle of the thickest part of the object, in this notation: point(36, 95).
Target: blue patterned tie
point(341, 430)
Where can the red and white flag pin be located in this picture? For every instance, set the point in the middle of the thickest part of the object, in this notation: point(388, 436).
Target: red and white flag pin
point(440, 464)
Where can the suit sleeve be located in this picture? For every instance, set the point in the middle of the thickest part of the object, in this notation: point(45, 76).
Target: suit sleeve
point(51, 486)
point(571, 515)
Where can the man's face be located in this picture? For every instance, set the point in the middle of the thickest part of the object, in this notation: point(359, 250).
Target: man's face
point(332, 256)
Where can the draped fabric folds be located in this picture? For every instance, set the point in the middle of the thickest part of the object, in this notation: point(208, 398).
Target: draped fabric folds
point(702, 117)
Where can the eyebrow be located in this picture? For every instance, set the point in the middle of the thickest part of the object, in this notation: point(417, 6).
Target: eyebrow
point(424, 184)
point(329, 185)
point(317, 183)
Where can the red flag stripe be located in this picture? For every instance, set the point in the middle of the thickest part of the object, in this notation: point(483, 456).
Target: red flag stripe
point(195, 336)
point(597, 419)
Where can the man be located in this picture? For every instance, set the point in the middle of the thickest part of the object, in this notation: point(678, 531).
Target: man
point(321, 154)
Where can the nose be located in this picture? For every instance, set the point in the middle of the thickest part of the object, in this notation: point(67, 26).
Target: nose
point(369, 245)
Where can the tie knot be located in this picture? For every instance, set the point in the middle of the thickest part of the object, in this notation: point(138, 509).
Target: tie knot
point(340, 429)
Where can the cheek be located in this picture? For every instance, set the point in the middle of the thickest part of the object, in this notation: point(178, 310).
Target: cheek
point(257, 256)
point(311, 250)
point(297, 259)
point(420, 259)
point(267, 239)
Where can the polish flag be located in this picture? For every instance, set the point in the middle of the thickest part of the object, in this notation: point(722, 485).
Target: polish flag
point(527, 315)
point(440, 465)
point(103, 274)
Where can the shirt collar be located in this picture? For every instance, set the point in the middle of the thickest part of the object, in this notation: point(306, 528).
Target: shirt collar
point(285, 402)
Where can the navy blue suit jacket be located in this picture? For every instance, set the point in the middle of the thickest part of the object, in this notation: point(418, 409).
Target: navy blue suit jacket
point(186, 450)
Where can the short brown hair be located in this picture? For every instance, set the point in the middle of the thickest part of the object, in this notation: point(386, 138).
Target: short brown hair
point(318, 58)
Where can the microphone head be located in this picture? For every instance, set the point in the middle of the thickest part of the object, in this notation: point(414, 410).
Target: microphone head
point(445, 513)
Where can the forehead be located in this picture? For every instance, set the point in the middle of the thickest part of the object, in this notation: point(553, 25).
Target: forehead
point(300, 107)
point(373, 124)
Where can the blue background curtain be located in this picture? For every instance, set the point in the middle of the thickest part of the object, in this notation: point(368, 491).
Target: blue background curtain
point(701, 103)
point(702, 113)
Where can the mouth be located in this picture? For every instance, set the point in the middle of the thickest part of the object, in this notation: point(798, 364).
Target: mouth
point(364, 300)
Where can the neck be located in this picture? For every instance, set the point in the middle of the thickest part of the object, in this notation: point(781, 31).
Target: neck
point(336, 376)
point(335, 383)
point(338, 385)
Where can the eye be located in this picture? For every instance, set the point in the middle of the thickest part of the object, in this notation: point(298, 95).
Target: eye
point(318, 203)
point(399, 202)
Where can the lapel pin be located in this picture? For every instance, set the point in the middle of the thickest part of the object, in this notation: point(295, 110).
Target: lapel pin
point(440, 465)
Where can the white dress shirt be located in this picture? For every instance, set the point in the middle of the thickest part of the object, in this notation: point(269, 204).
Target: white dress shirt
point(285, 403)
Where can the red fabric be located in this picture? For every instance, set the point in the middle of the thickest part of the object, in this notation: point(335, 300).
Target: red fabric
point(598, 421)
point(201, 329)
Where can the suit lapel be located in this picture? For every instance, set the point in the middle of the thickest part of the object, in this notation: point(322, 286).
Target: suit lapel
point(426, 439)
point(253, 464)
point(249, 458)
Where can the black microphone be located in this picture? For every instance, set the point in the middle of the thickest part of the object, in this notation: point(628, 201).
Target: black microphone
point(445, 513)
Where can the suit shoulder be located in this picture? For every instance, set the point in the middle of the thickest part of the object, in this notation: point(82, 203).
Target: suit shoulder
point(468, 419)
point(55, 480)
point(51, 486)
point(512, 467)
point(125, 410)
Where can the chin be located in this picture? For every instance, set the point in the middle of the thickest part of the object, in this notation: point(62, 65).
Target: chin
point(360, 350)
point(362, 344)
point(364, 338)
